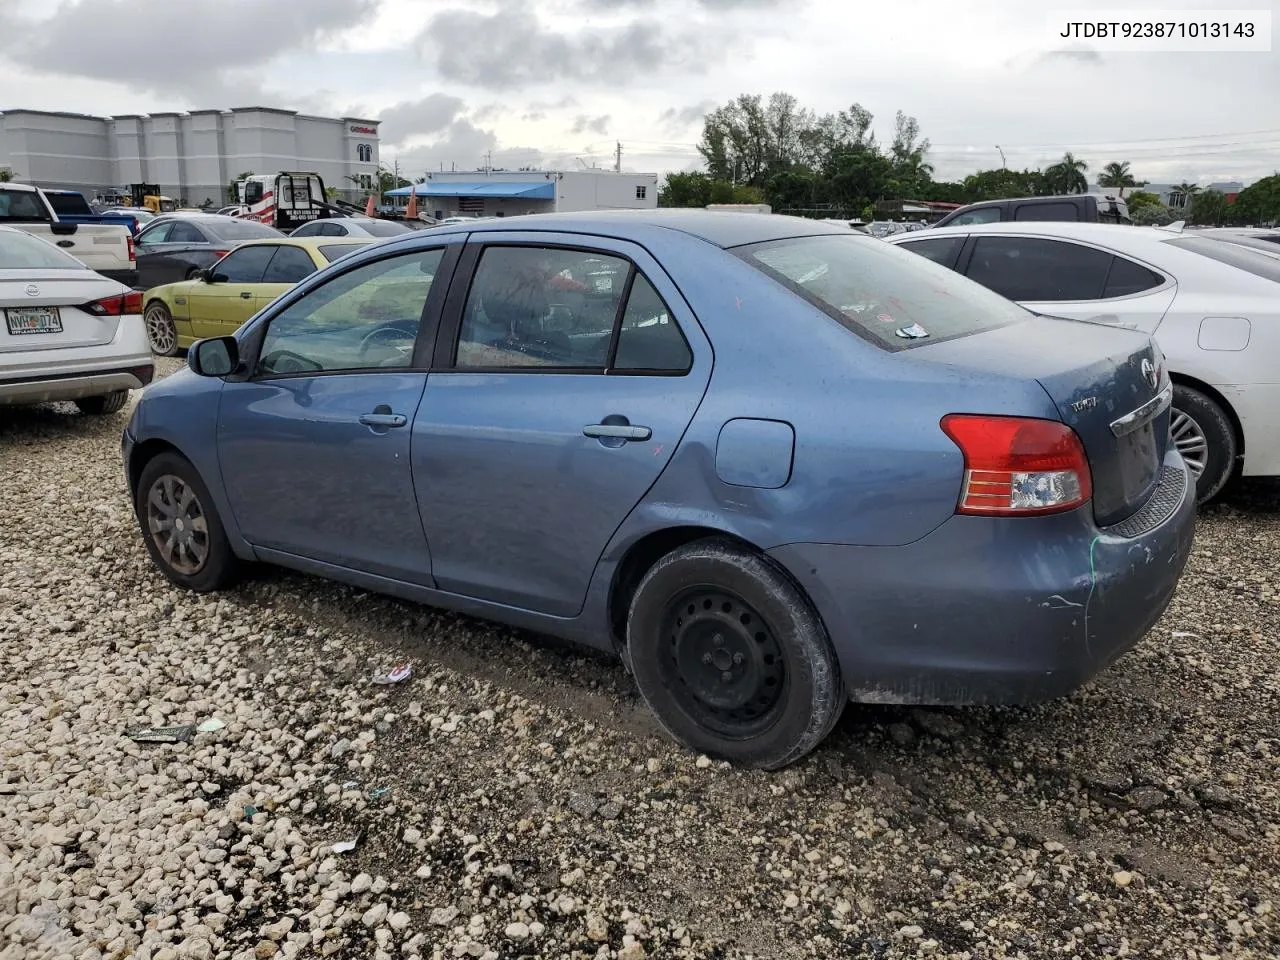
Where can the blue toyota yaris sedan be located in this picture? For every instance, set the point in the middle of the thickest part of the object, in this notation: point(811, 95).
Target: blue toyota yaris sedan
point(775, 464)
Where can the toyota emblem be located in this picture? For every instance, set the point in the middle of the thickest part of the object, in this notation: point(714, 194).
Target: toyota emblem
point(33, 290)
point(1149, 371)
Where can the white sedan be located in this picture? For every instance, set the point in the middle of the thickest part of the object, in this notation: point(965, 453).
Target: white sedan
point(370, 227)
point(67, 333)
point(1214, 307)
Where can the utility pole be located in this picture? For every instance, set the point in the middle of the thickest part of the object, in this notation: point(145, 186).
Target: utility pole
point(617, 163)
point(1003, 165)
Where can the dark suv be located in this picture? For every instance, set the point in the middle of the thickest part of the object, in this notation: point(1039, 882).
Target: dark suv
point(1080, 208)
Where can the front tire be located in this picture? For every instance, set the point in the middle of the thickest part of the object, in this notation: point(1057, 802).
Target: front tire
point(161, 331)
point(730, 656)
point(108, 403)
point(1206, 438)
point(181, 527)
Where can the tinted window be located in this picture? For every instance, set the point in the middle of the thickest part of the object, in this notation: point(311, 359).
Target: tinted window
point(333, 230)
point(1259, 264)
point(308, 230)
point(1022, 268)
point(1128, 278)
point(332, 251)
point(541, 307)
point(892, 297)
point(241, 230)
point(245, 265)
point(649, 338)
point(186, 233)
point(365, 318)
point(20, 251)
point(384, 228)
point(71, 204)
point(983, 215)
point(289, 265)
point(941, 250)
point(157, 234)
point(1046, 211)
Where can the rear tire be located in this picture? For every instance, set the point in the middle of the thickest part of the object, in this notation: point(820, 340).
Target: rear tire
point(162, 334)
point(180, 525)
point(730, 656)
point(1206, 438)
point(108, 403)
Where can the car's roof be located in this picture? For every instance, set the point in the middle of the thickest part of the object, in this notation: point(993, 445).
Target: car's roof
point(1105, 233)
point(722, 228)
point(9, 185)
point(309, 243)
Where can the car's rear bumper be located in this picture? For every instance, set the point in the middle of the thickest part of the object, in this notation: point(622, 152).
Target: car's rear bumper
point(996, 610)
point(73, 386)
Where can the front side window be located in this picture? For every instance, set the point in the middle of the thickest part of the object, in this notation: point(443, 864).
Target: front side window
point(245, 265)
point(186, 233)
point(893, 298)
point(157, 234)
point(1038, 270)
point(289, 265)
point(982, 215)
point(364, 319)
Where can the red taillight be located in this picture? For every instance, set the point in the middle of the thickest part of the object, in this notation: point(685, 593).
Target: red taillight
point(220, 253)
point(132, 255)
point(125, 303)
point(1018, 466)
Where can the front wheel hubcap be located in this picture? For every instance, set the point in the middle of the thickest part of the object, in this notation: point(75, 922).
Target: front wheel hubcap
point(1190, 440)
point(723, 662)
point(177, 524)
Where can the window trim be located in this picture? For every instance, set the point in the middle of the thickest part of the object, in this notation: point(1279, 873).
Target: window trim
point(966, 257)
point(448, 336)
point(428, 321)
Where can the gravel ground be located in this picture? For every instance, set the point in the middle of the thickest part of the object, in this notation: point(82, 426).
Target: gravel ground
point(514, 799)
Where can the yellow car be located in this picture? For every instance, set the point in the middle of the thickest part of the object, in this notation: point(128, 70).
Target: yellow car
point(216, 302)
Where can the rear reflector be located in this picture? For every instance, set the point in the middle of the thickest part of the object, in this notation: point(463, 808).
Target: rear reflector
point(1019, 466)
point(125, 303)
point(144, 373)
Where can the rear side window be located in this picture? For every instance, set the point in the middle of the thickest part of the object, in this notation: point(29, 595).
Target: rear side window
point(186, 233)
point(332, 251)
point(1026, 268)
point(1259, 264)
point(308, 230)
point(1046, 211)
point(1127, 278)
point(891, 297)
point(941, 250)
point(983, 215)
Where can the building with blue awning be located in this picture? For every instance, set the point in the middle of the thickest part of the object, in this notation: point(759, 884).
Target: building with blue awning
point(510, 193)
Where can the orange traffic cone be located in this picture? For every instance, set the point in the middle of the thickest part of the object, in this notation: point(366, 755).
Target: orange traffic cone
point(411, 211)
point(369, 209)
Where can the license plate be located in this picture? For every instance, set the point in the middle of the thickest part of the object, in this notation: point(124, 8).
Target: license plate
point(23, 320)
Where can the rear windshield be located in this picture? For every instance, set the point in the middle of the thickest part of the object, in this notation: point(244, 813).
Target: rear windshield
point(71, 204)
point(1233, 254)
point(892, 297)
point(240, 230)
point(22, 205)
point(384, 228)
point(18, 251)
point(332, 251)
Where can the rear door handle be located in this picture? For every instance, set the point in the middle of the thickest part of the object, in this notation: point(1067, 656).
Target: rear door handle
point(384, 419)
point(246, 295)
point(616, 431)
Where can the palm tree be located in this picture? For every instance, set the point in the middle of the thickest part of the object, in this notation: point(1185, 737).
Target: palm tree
point(1182, 194)
point(5, 176)
point(1067, 175)
point(1117, 175)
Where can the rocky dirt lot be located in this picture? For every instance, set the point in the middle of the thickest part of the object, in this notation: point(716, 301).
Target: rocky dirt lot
point(513, 798)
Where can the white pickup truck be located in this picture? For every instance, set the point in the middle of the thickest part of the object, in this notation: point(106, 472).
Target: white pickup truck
point(105, 248)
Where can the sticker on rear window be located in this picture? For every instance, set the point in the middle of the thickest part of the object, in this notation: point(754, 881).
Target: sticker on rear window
point(913, 332)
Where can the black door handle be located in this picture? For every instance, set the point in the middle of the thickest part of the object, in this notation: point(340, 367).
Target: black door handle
point(616, 431)
point(246, 295)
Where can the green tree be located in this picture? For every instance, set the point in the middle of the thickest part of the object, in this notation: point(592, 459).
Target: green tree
point(907, 154)
point(1259, 203)
point(1153, 216)
point(1209, 208)
point(1142, 198)
point(6, 176)
point(1116, 174)
point(1067, 175)
point(1003, 184)
point(685, 190)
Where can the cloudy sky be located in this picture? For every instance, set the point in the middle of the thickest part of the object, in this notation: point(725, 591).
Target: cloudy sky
point(557, 82)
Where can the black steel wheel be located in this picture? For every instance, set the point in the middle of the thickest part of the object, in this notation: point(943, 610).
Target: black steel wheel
point(731, 657)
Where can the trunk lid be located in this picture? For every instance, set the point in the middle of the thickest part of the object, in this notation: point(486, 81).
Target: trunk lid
point(60, 295)
point(1109, 385)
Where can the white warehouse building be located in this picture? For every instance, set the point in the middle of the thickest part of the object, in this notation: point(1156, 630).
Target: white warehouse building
point(191, 156)
point(510, 193)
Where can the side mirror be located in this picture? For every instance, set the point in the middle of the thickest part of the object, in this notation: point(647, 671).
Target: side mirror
point(208, 275)
point(215, 357)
